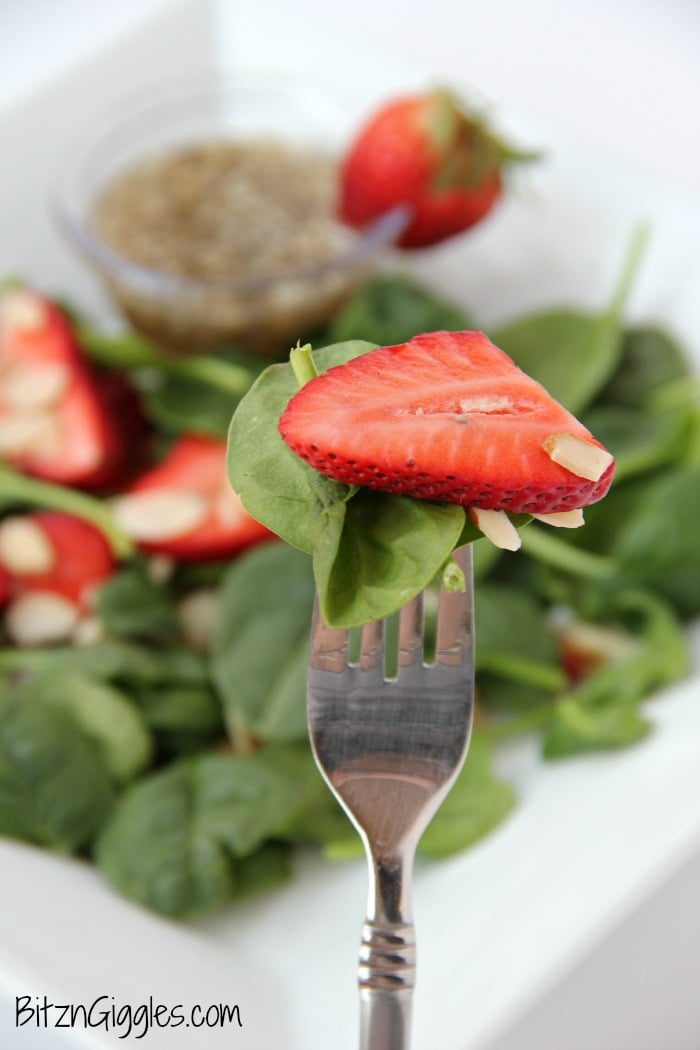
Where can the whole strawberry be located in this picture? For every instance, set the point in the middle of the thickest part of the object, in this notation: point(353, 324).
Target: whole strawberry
point(426, 153)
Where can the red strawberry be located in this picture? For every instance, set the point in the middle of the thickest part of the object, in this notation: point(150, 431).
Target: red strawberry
point(185, 506)
point(447, 416)
point(54, 552)
point(53, 423)
point(425, 153)
point(4, 586)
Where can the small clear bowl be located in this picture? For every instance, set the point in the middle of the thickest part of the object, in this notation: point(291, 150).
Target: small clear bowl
point(262, 311)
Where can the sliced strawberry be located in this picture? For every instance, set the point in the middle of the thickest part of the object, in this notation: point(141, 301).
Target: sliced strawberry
point(53, 423)
point(185, 507)
point(426, 153)
point(56, 553)
point(446, 416)
point(5, 584)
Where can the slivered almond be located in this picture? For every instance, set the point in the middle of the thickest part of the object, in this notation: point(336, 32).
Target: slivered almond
point(28, 434)
point(88, 631)
point(40, 618)
point(497, 527)
point(582, 458)
point(22, 310)
point(26, 386)
point(562, 519)
point(199, 615)
point(160, 568)
point(228, 507)
point(25, 547)
point(164, 514)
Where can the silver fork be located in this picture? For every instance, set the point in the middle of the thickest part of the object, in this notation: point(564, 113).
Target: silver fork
point(390, 749)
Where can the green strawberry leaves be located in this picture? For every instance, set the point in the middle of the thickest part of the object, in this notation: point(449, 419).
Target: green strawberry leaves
point(355, 537)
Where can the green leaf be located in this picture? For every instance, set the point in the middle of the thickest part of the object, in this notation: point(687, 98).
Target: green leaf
point(477, 803)
point(112, 659)
point(180, 404)
point(572, 353)
point(54, 790)
point(377, 551)
point(657, 542)
point(640, 441)
point(649, 358)
point(578, 729)
point(514, 639)
point(175, 837)
point(103, 713)
point(391, 309)
point(131, 605)
point(271, 480)
point(261, 647)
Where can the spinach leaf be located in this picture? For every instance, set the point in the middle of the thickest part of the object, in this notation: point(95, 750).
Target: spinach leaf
point(477, 803)
point(104, 714)
point(174, 838)
point(514, 639)
point(131, 605)
point(640, 440)
point(112, 659)
point(603, 712)
point(376, 551)
point(657, 542)
point(180, 404)
point(261, 647)
point(54, 790)
point(650, 358)
point(267, 867)
point(391, 309)
point(271, 480)
point(572, 353)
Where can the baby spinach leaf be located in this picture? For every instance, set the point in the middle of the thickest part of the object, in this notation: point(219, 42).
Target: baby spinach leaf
point(54, 790)
point(514, 639)
point(102, 712)
point(267, 867)
point(640, 440)
point(657, 542)
point(477, 803)
point(391, 309)
point(577, 728)
point(571, 352)
point(179, 707)
point(377, 551)
point(261, 646)
point(179, 404)
point(271, 480)
point(131, 605)
point(649, 359)
point(112, 659)
point(174, 837)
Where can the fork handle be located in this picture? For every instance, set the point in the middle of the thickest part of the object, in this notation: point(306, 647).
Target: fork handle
point(386, 977)
point(387, 970)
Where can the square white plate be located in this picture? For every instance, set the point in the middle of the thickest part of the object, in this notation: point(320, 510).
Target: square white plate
point(591, 838)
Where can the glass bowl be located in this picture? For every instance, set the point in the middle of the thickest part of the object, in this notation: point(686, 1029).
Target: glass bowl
point(262, 295)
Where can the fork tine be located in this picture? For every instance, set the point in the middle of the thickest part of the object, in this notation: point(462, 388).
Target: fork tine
point(455, 630)
point(372, 646)
point(411, 634)
point(329, 645)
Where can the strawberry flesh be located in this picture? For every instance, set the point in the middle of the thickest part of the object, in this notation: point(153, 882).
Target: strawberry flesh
point(447, 417)
point(82, 559)
point(197, 465)
point(425, 153)
point(81, 444)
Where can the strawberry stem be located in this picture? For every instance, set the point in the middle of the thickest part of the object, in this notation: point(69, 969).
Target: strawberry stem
point(36, 493)
point(303, 364)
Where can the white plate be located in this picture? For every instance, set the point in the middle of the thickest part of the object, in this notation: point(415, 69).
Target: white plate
point(591, 837)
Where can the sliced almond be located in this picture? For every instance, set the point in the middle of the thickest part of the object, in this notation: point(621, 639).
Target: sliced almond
point(26, 386)
point(164, 514)
point(22, 310)
point(88, 631)
point(563, 519)
point(24, 546)
point(29, 434)
point(228, 507)
point(199, 617)
point(582, 458)
point(497, 527)
point(41, 618)
point(160, 568)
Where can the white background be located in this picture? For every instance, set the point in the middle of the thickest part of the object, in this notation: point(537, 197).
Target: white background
point(622, 74)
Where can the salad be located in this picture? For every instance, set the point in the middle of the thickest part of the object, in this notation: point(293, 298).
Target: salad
point(152, 728)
